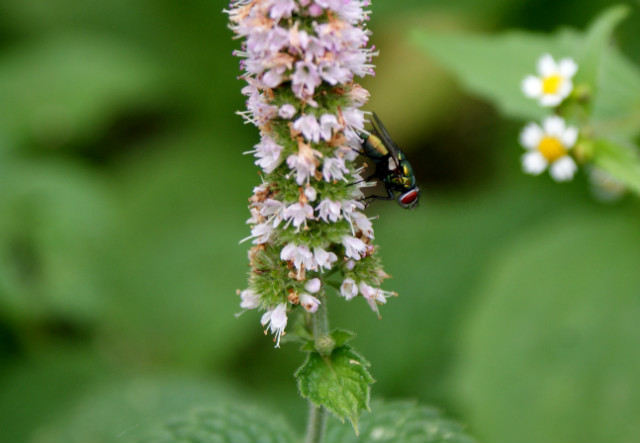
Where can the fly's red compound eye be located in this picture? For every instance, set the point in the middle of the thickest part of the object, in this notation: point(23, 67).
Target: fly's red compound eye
point(409, 199)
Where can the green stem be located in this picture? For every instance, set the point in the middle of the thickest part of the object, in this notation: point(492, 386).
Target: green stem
point(317, 414)
point(317, 424)
point(320, 319)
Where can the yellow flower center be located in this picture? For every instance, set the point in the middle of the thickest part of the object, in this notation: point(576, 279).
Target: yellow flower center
point(551, 148)
point(551, 84)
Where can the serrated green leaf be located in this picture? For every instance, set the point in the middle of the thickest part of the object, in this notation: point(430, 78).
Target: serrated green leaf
point(340, 382)
point(400, 421)
point(552, 345)
point(340, 336)
point(231, 424)
point(622, 162)
point(596, 40)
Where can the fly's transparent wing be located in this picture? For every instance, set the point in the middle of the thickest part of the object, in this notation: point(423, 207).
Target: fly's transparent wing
point(381, 131)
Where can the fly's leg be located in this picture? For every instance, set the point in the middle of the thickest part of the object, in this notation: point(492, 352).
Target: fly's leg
point(390, 196)
point(362, 180)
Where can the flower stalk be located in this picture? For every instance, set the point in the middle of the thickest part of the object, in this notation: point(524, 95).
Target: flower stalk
point(318, 415)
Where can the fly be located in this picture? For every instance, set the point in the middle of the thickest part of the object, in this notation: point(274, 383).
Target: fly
point(392, 167)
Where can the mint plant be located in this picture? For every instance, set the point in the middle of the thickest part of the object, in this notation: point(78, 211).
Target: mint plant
point(309, 233)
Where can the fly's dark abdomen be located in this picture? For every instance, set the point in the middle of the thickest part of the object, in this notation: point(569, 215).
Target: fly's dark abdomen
point(375, 149)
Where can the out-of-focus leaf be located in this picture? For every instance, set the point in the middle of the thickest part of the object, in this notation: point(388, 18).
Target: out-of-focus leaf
point(40, 389)
point(126, 410)
point(622, 162)
point(65, 89)
point(230, 424)
point(468, 9)
point(616, 107)
point(493, 67)
point(552, 343)
point(177, 262)
point(400, 421)
point(596, 39)
point(339, 382)
point(57, 219)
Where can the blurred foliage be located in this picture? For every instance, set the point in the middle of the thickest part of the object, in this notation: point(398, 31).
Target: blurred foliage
point(560, 306)
point(400, 421)
point(123, 196)
point(242, 425)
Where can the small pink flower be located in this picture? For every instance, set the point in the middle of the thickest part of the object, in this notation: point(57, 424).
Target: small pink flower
point(354, 247)
point(309, 127)
point(329, 210)
point(299, 255)
point(298, 213)
point(313, 285)
point(287, 111)
point(250, 300)
point(328, 123)
point(323, 258)
point(305, 79)
point(268, 154)
point(309, 302)
point(276, 318)
point(334, 168)
point(304, 163)
point(348, 289)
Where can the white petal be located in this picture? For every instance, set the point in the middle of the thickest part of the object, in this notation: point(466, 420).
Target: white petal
point(554, 126)
point(531, 135)
point(533, 163)
point(532, 86)
point(567, 67)
point(547, 66)
point(569, 137)
point(550, 100)
point(563, 169)
point(565, 88)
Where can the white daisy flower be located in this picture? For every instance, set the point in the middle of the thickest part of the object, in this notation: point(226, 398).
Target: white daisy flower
point(548, 146)
point(553, 84)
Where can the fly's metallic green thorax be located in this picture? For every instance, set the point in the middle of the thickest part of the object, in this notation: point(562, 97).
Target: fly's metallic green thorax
point(392, 167)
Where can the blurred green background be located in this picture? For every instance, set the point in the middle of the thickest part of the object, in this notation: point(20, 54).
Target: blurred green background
point(123, 194)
